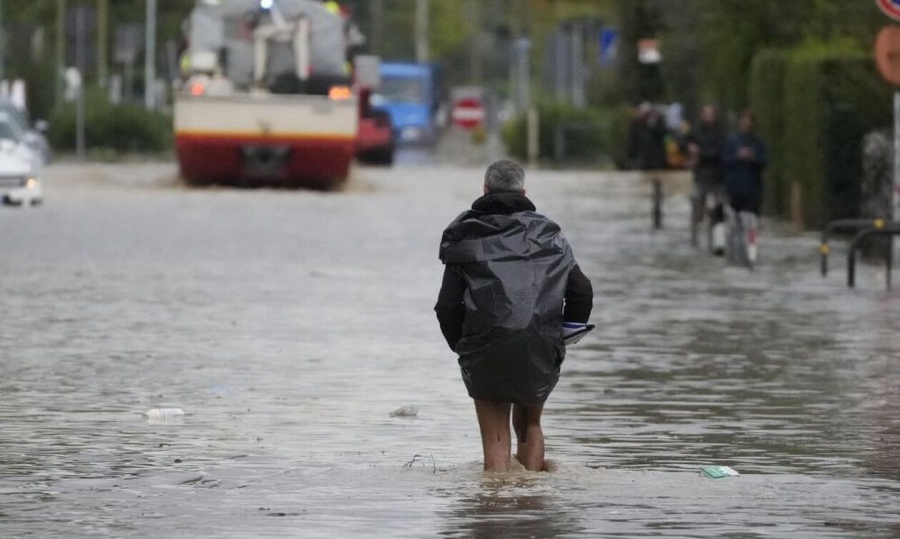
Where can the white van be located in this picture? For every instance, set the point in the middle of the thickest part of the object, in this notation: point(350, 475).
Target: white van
point(19, 183)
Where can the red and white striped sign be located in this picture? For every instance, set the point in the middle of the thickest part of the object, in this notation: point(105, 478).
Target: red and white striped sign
point(468, 113)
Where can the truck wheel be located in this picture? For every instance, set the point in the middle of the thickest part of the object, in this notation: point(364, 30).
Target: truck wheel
point(197, 182)
point(386, 156)
point(380, 156)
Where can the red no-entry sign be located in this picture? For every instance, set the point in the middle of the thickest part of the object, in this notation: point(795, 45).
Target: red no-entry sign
point(887, 53)
point(468, 113)
point(891, 8)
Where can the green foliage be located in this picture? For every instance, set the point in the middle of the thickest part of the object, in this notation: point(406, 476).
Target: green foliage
point(732, 31)
point(620, 131)
point(126, 127)
point(766, 89)
point(856, 102)
point(586, 132)
point(803, 163)
point(814, 104)
point(449, 24)
point(41, 80)
point(708, 46)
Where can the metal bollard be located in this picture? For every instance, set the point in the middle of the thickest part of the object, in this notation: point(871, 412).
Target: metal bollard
point(657, 203)
point(696, 218)
point(890, 267)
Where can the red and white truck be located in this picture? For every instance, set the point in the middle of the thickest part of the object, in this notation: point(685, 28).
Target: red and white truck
point(266, 97)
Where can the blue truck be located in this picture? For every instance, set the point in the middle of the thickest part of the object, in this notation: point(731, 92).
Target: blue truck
point(410, 93)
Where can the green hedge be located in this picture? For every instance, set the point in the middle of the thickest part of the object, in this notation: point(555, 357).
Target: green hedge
point(127, 127)
point(766, 91)
point(587, 135)
point(814, 105)
point(803, 132)
point(620, 133)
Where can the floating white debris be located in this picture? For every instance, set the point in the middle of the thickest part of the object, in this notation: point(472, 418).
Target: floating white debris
point(405, 411)
point(164, 414)
point(718, 472)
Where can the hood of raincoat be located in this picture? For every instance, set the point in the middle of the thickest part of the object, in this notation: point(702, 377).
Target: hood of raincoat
point(516, 264)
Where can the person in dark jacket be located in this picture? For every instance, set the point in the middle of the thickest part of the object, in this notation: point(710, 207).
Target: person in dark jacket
point(706, 146)
point(745, 159)
point(510, 280)
point(647, 145)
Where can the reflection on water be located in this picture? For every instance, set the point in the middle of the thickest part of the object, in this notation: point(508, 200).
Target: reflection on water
point(496, 514)
point(517, 504)
point(288, 325)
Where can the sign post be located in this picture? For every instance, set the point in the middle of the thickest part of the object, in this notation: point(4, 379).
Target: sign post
point(887, 59)
point(896, 198)
point(150, 57)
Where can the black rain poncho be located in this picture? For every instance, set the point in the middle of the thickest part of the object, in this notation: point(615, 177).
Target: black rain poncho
point(515, 264)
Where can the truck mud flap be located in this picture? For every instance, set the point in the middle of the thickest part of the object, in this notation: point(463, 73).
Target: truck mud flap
point(264, 162)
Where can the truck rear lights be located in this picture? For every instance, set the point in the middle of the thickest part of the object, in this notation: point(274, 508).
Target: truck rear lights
point(339, 92)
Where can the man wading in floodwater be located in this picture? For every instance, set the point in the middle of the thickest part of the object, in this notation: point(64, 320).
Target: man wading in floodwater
point(510, 280)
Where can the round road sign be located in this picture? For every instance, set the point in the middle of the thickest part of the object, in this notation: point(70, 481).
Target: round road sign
point(887, 53)
point(468, 113)
point(891, 8)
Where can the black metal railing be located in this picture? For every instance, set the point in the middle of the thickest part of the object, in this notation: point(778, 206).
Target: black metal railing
point(862, 229)
point(891, 228)
point(843, 225)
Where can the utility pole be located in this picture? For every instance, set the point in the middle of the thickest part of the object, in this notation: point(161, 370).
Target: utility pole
point(60, 48)
point(80, 62)
point(422, 31)
point(102, 40)
point(576, 56)
point(150, 57)
point(2, 43)
point(376, 18)
point(474, 15)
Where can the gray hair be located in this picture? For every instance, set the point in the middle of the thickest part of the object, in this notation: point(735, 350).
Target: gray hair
point(504, 175)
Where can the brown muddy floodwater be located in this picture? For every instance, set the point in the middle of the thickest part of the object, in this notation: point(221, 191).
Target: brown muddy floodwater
point(289, 324)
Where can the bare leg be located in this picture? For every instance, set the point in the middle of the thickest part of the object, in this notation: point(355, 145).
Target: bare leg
point(530, 437)
point(493, 419)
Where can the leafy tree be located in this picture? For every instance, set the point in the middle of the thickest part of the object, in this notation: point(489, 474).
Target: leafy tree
point(726, 34)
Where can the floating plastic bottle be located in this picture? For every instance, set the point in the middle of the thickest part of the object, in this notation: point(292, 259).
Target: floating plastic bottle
point(718, 472)
point(164, 414)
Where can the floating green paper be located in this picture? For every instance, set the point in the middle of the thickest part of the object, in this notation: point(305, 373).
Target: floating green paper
point(718, 472)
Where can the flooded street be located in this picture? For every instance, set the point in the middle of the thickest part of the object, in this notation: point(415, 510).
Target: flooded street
point(289, 324)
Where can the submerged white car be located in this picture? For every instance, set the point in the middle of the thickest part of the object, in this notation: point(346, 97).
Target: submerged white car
point(19, 184)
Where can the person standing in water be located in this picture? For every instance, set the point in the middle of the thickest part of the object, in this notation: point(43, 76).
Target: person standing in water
point(746, 158)
point(510, 281)
point(706, 147)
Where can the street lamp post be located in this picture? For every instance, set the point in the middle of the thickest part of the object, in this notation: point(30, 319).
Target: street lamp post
point(421, 30)
point(2, 43)
point(150, 59)
point(102, 40)
point(60, 48)
point(80, 61)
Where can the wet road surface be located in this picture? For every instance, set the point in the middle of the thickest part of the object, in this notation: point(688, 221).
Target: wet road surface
point(289, 324)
